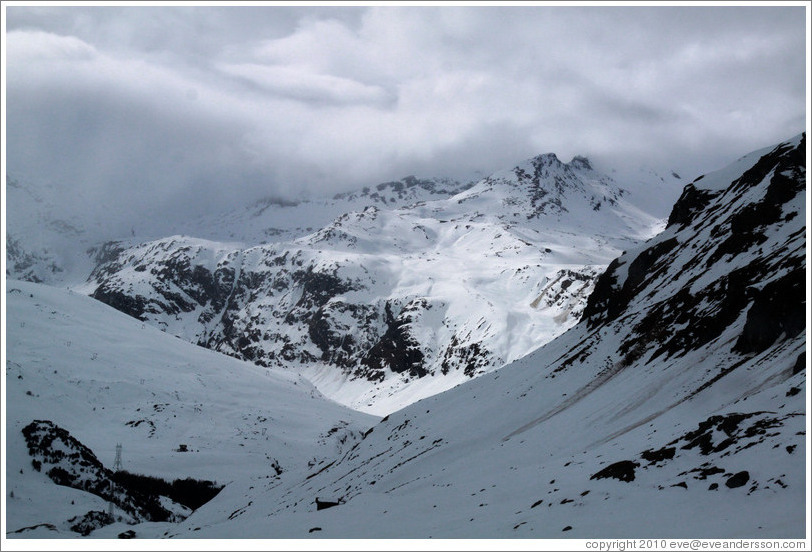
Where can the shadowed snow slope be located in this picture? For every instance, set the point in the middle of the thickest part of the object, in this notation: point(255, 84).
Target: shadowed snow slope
point(675, 408)
point(107, 379)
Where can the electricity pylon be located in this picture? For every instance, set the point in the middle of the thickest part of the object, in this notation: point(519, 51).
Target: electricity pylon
point(116, 467)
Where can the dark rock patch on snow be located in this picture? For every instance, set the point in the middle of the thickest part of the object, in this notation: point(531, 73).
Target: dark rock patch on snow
point(779, 309)
point(622, 471)
point(86, 524)
point(653, 456)
point(324, 504)
point(738, 480)
point(397, 349)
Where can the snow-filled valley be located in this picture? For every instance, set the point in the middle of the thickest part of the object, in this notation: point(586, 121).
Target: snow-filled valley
point(553, 355)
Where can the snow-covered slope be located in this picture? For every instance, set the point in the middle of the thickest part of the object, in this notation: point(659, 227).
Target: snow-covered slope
point(42, 243)
point(177, 410)
point(384, 306)
point(675, 408)
point(274, 220)
point(54, 237)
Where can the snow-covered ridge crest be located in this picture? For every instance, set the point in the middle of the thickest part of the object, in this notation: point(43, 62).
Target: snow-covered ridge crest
point(545, 187)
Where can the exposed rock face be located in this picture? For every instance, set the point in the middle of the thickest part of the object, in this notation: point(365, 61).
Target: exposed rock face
point(740, 249)
point(739, 479)
point(397, 348)
point(777, 312)
point(27, 265)
point(692, 201)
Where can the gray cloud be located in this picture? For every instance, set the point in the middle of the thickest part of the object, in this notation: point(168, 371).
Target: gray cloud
point(201, 107)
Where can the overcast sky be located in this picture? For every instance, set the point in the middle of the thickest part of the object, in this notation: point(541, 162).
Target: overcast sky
point(202, 106)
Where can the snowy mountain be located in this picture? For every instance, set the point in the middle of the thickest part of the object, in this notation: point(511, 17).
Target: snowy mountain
point(675, 408)
point(275, 220)
point(83, 378)
point(55, 238)
point(42, 244)
point(386, 305)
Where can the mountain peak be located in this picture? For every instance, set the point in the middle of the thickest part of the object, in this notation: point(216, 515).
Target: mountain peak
point(546, 159)
point(580, 162)
point(538, 165)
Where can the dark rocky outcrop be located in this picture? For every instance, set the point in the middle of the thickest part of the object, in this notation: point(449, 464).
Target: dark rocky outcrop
point(692, 201)
point(192, 493)
point(324, 504)
point(779, 309)
point(653, 456)
point(133, 305)
point(738, 479)
point(710, 229)
point(86, 524)
point(334, 338)
point(473, 357)
point(607, 302)
point(800, 364)
point(68, 462)
point(735, 431)
point(397, 349)
point(622, 471)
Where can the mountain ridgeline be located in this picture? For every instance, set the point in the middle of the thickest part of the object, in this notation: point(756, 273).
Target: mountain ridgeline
point(623, 376)
point(397, 292)
point(675, 407)
point(756, 222)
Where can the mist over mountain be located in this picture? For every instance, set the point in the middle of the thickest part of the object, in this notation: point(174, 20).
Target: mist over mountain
point(556, 352)
point(380, 296)
point(400, 270)
point(128, 107)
